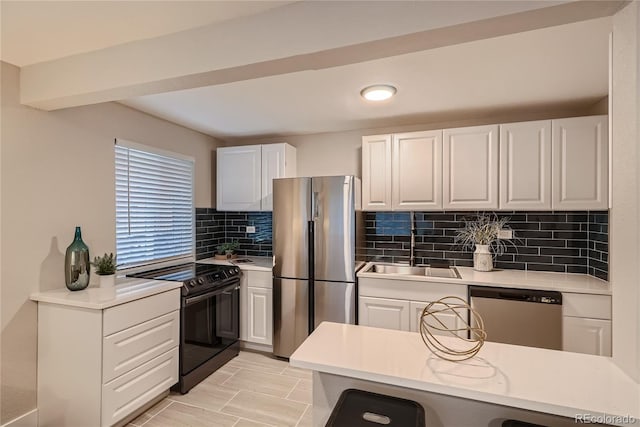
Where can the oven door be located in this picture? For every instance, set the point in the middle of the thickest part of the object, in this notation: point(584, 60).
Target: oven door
point(210, 324)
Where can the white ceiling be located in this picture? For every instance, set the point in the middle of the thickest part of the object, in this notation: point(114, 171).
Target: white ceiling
point(543, 67)
point(550, 66)
point(37, 31)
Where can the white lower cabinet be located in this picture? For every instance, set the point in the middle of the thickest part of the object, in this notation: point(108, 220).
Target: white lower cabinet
point(583, 335)
point(256, 309)
point(260, 311)
point(449, 320)
point(98, 366)
point(398, 304)
point(586, 323)
point(384, 313)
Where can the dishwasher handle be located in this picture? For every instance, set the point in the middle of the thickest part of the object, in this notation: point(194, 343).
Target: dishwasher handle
point(525, 295)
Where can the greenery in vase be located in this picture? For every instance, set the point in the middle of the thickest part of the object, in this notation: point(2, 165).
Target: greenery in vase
point(227, 247)
point(484, 231)
point(105, 265)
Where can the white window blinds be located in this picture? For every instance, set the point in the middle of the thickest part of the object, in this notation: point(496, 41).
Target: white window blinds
point(154, 205)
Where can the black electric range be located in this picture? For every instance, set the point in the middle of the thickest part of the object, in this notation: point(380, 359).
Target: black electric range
point(209, 317)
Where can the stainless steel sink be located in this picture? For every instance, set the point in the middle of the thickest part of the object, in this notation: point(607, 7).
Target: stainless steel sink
point(397, 269)
point(449, 273)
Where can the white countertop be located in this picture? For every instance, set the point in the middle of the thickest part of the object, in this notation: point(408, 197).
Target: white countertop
point(543, 280)
point(549, 381)
point(258, 263)
point(100, 298)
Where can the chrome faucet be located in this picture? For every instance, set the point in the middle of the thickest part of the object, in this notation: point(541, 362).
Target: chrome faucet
point(412, 250)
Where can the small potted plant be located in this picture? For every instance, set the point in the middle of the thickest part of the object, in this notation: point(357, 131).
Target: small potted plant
point(225, 250)
point(105, 268)
point(482, 234)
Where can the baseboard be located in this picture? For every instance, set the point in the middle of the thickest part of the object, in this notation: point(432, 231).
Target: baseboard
point(244, 345)
point(30, 419)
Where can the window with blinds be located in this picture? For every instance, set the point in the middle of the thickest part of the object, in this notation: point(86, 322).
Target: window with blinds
point(154, 205)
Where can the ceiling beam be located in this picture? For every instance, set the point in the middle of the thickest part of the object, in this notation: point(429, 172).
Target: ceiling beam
point(301, 36)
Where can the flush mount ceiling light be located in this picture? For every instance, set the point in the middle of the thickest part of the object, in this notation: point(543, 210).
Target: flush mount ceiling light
point(378, 92)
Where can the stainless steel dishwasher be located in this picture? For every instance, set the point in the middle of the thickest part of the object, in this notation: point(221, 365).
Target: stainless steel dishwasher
point(520, 316)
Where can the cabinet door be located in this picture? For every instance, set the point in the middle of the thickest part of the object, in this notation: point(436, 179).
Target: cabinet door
point(583, 335)
point(238, 178)
point(580, 163)
point(278, 161)
point(260, 321)
point(384, 313)
point(376, 173)
point(449, 319)
point(470, 168)
point(525, 165)
point(417, 171)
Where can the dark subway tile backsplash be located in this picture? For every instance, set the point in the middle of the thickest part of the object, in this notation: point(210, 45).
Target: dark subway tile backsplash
point(572, 242)
point(214, 228)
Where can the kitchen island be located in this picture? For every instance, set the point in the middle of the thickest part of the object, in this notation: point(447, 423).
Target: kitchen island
point(503, 381)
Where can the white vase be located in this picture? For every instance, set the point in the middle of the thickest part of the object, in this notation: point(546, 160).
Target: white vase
point(107, 280)
point(482, 260)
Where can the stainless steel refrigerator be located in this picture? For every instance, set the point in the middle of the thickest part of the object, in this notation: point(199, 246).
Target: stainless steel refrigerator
point(314, 245)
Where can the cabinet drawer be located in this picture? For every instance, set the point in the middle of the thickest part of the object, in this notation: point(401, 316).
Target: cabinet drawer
point(259, 279)
point(134, 346)
point(133, 313)
point(586, 305)
point(132, 390)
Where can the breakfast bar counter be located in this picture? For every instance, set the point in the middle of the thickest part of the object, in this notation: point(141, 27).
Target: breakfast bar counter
point(502, 381)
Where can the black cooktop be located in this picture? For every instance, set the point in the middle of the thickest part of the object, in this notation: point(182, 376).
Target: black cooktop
point(195, 277)
point(182, 272)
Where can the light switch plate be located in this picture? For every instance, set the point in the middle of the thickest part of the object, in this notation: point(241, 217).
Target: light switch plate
point(505, 234)
point(251, 229)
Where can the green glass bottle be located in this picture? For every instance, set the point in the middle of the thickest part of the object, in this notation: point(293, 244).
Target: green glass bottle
point(76, 264)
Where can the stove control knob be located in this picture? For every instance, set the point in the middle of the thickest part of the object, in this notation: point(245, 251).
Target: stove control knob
point(191, 283)
point(236, 270)
point(200, 281)
point(216, 276)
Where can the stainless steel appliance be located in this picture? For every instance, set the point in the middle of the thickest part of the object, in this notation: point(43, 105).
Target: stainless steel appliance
point(520, 316)
point(209, 317)
point(314, 244)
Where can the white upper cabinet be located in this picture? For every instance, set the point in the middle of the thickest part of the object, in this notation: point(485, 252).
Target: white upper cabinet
point(470, 168)
point(525, 165)
point(376, 173)
point(239, 176)
point(539, 165)
point(580, 163)
point(245, 175)
point(278, 161)
point(417, 171)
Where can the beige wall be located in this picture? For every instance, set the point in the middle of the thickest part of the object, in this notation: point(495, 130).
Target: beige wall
point(339, 153)
point(624, 232)
point(57, 171)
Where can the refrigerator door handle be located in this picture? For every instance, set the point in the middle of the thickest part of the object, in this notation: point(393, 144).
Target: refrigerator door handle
point(312, 301)
point(314, 206)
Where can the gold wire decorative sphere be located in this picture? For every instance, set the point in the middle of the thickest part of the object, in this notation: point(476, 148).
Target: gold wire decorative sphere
point(435, 333)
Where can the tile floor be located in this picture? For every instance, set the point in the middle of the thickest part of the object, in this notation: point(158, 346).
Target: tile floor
point(252, 390)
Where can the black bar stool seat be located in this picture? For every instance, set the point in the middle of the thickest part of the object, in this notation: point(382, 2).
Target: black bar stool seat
point(357, 408)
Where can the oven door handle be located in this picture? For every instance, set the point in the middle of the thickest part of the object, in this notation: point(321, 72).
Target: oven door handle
point(225, 290)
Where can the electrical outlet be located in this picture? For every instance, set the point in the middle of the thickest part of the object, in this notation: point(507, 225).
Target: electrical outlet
point(505, 234)
point(251, 229)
